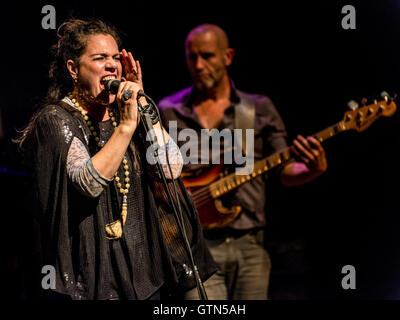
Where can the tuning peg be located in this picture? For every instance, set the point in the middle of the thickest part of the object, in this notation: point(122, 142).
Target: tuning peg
point(364, 101)
point(385, 95)
point(352, 105)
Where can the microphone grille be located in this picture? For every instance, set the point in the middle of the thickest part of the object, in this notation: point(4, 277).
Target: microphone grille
point(112, 85)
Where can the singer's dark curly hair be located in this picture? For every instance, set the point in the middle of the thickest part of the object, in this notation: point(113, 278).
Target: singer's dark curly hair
point(72, 40)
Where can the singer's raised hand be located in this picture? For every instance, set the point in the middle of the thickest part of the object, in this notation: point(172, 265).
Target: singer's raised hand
point(133, 72)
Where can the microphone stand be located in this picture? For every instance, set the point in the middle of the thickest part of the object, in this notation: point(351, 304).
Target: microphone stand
point(145, 117)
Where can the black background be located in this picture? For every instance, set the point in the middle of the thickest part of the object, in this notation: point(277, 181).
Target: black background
point(298, 54)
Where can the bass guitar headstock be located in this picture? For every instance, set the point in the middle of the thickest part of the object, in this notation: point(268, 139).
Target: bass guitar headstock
point(361, 118)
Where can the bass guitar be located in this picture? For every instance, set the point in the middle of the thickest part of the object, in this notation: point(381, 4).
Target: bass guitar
point(207, 189)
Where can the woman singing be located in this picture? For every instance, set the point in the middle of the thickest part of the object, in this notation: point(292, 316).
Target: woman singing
point(107, 226)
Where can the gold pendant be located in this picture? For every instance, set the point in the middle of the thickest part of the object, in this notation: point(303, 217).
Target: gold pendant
point(114, 229)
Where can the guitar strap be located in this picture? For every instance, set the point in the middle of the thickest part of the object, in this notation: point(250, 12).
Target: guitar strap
point(245, 114)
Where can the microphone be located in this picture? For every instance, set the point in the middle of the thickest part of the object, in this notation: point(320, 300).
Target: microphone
point(112, 86)
point(149, 111)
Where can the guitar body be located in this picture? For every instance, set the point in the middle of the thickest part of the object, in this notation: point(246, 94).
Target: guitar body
point(212, 213)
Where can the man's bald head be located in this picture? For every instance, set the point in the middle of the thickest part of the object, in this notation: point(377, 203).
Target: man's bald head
point(220, 34)
point(208, 55)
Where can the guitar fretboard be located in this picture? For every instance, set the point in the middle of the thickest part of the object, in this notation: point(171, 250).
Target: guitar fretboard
point(233, 180)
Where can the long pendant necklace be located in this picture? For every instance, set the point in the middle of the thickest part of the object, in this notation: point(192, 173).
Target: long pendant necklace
point(114, 229)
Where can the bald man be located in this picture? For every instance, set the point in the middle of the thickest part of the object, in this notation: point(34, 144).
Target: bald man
point(213, 102)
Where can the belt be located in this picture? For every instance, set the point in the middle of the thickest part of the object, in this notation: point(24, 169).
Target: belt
point(229, 233)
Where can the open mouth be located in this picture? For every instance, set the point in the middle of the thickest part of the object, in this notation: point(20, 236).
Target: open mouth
point(104, 79)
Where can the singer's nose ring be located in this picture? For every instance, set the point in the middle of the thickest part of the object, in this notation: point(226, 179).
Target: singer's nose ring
point(127, 94)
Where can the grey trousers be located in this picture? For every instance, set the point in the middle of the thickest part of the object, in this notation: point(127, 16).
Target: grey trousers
point(243, 273)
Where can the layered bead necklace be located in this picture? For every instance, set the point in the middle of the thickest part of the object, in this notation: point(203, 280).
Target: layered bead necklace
point(114, 229)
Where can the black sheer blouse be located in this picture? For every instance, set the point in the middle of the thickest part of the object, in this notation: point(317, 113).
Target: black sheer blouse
point(151, 252)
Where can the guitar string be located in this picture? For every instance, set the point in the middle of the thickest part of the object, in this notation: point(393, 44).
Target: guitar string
point(224, 182)
point(213, 187)
point(207, 191)
point(202, 195)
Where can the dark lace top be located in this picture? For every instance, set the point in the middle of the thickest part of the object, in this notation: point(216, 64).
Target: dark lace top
point(150, 253)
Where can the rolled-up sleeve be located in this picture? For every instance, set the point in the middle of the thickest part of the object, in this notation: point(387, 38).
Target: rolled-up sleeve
point(82, 173)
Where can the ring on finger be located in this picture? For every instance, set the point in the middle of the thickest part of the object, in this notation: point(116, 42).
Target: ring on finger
point(127, 94)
